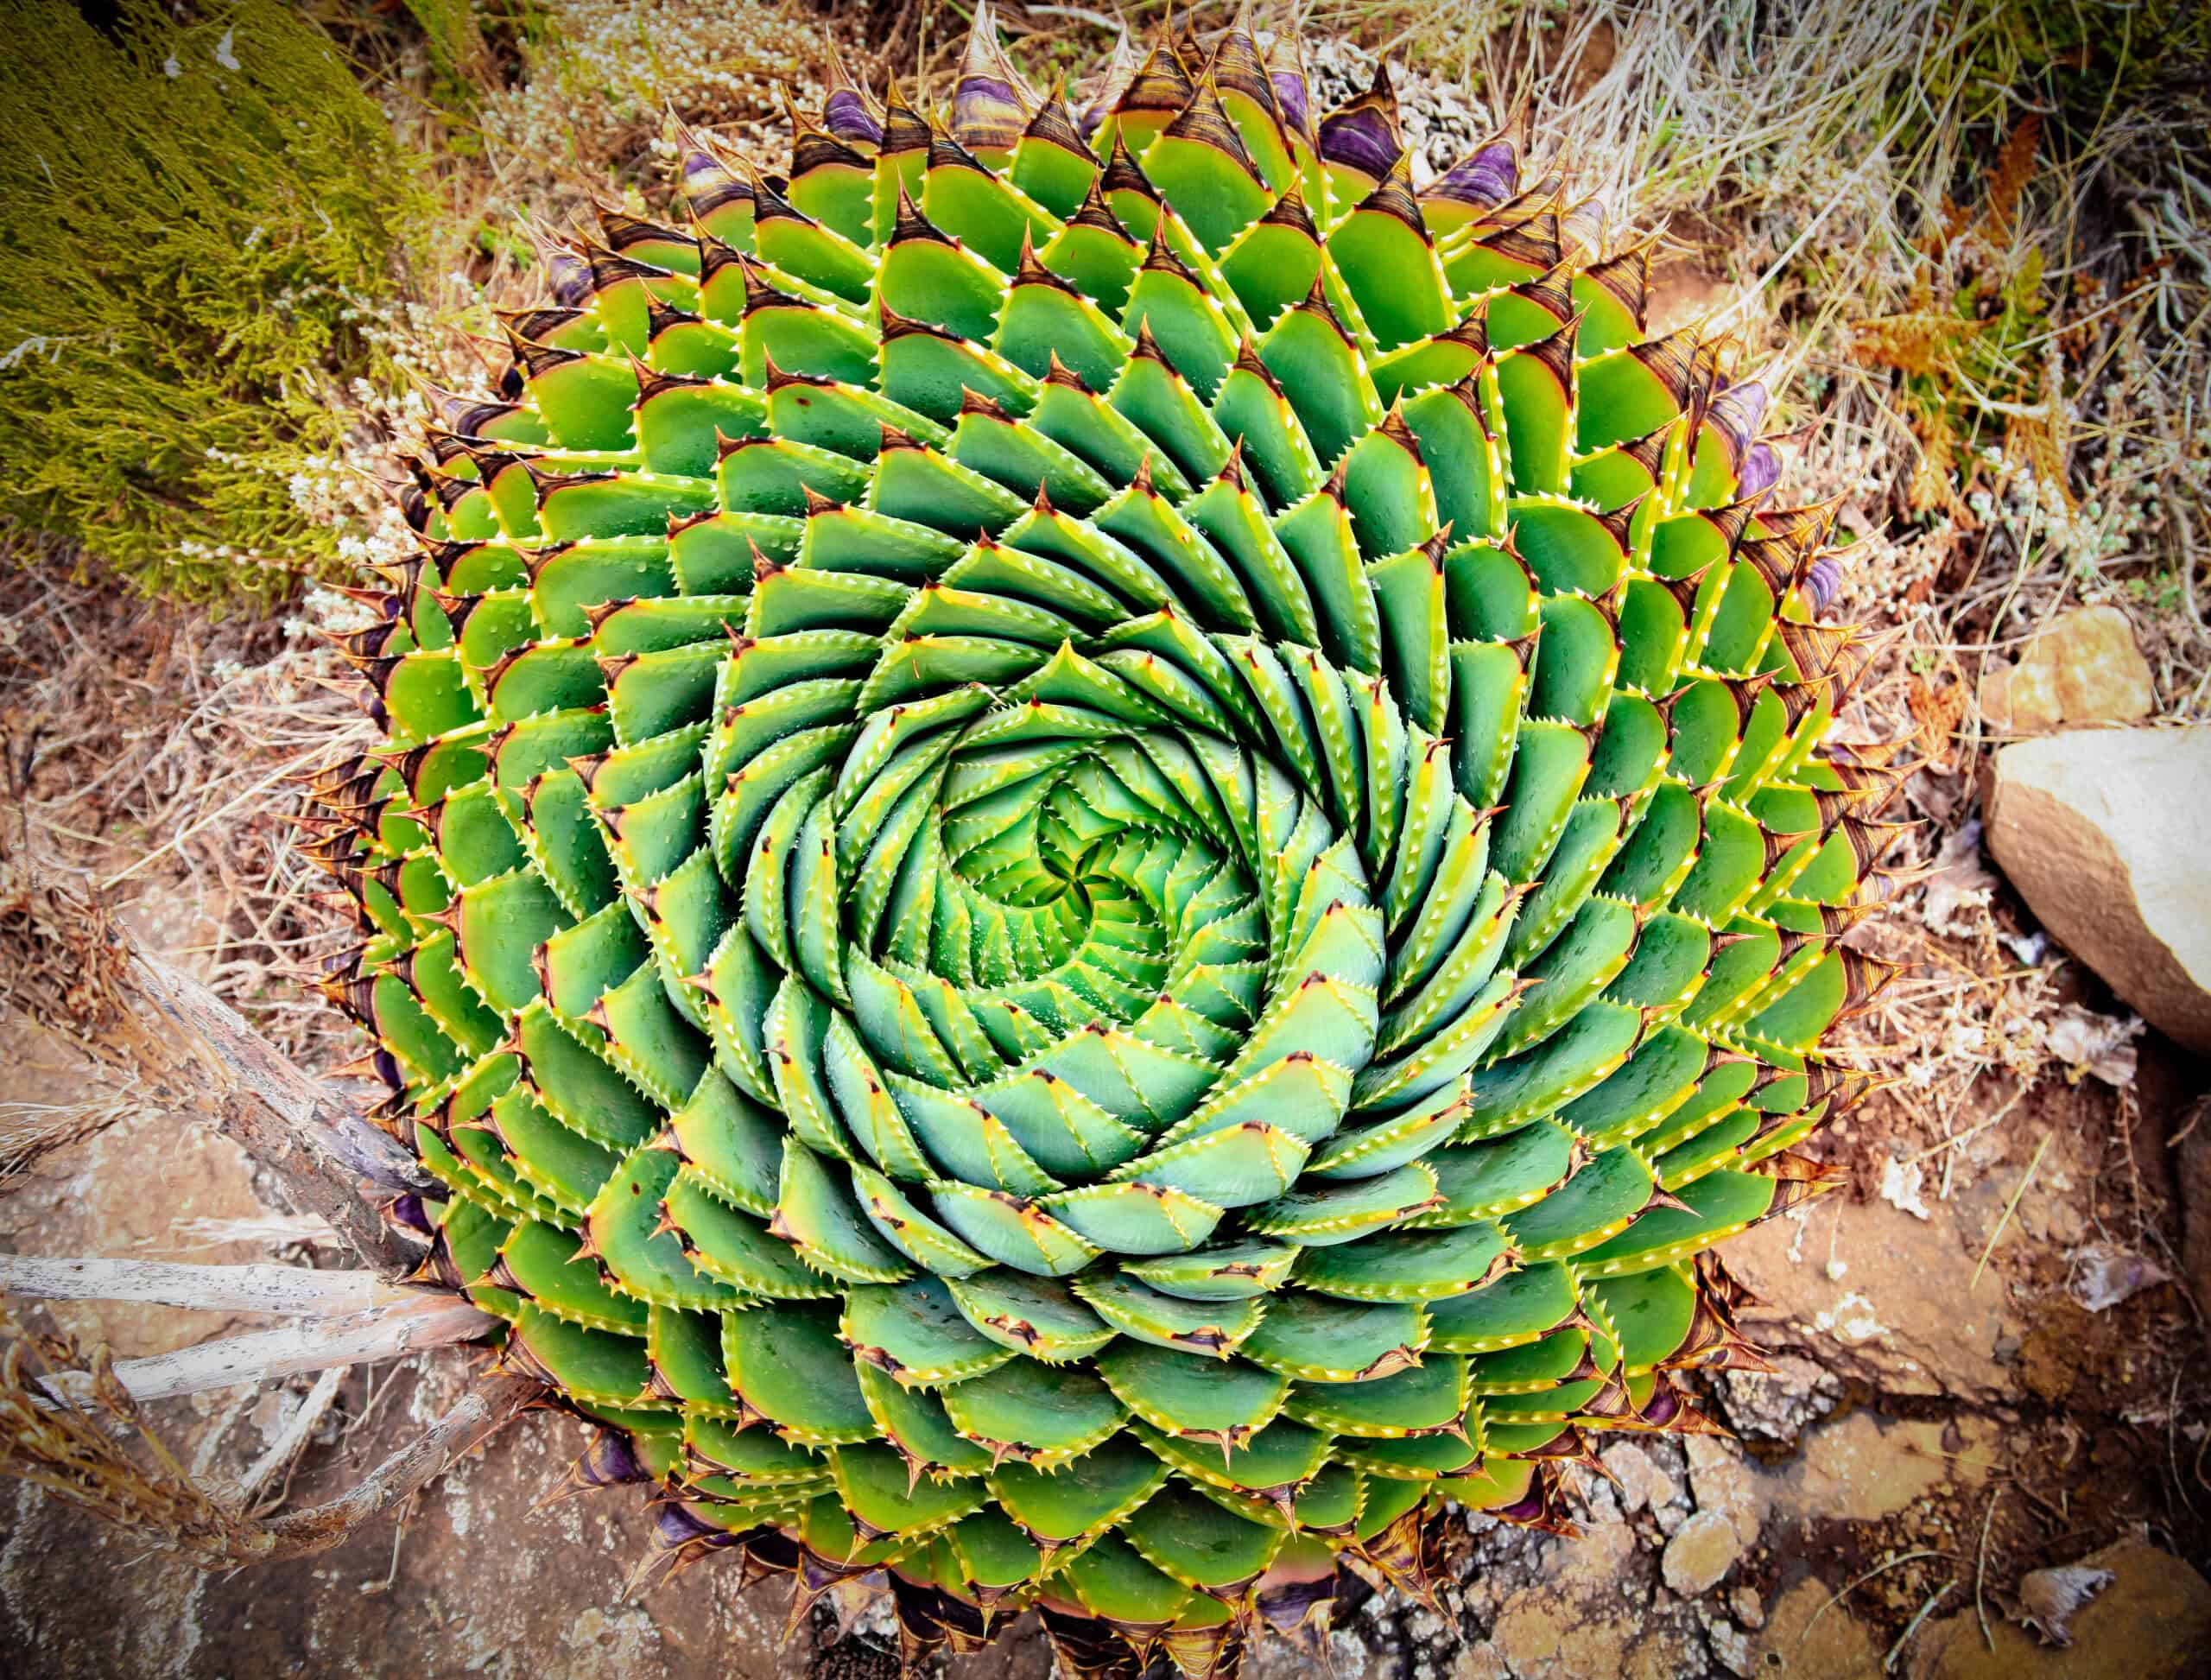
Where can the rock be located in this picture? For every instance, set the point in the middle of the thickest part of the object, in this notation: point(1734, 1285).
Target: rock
point(1479, 1662)
point(2151, 1623)
point(1779, 1404)
point(1731, 1647)
point(1808, 1636)
point(2083, 667)
point(1723, 1483)
point(1580, 1609)
point(2101, 832)
point(1701, 1551)
point(1895, 1316)
point(1602, 1501)
point(2018, 700)
point(1856, 1471)
point(1643, 1482)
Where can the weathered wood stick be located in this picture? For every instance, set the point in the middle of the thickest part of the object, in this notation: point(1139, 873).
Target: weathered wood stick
point(422, 1320)
point(290, 1122)
point(280, 1290)
point(482, 1412)
point(291, 1440)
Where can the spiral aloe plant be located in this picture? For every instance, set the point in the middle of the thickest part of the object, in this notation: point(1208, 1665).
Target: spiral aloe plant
point(1104, 850)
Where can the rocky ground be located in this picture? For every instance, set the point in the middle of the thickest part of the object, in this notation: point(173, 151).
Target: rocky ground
point(1942, 1463)
point(1981, 1452)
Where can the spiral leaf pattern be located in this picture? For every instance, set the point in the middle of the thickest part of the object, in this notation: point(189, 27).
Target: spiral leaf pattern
point(1104, 849)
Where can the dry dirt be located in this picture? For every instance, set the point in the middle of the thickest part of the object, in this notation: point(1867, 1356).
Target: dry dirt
point(1923, 1445)
point(1930, 1437)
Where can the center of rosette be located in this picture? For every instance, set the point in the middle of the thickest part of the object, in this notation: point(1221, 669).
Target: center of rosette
point(1094, 983)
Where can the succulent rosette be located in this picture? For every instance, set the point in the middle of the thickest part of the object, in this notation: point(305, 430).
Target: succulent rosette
point(1104, 849)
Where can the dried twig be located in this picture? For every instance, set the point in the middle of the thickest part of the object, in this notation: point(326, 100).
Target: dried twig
point(80, 1451)
point(288, 1121)
point(1980, 1567)
point(1878, 1569)
point(292, 1439)
point(424, 1319)
point(2010, 1207)
point(1896, 1650)
point(280, 1290)
point(478, 1416)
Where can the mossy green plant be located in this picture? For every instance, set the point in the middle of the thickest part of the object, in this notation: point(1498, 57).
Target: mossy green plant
point(191, 216)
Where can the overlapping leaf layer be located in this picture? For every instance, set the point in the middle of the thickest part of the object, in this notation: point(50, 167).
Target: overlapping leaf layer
point(1103, 850)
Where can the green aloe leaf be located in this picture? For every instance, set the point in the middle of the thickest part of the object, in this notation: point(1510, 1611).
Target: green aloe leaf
point(1102, 844)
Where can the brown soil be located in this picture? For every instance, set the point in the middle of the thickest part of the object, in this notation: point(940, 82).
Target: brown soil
point(1926, 1441)
point(1923, 1445)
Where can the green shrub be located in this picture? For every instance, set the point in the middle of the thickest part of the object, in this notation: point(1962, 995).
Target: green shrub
point(190, 216)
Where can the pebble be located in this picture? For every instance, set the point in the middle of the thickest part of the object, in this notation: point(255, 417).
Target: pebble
point(1701, 1551)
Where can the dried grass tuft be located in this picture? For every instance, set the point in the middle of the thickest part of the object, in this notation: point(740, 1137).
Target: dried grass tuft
point(98, 1453)
point(61, 967)
point(147, 747)
point(69, 1427)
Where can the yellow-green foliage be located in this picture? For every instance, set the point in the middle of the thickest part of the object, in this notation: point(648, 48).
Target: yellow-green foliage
point(189, 216)
point(454, 38)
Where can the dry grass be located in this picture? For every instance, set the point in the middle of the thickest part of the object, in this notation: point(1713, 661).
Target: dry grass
point(1824, 147)
point(147, 748)
point(98, 1453)
point(1835, 152)
point(150, 749)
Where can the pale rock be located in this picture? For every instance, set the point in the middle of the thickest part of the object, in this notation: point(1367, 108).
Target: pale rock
point(2102, 833)
point(2083, 667)
point(1701, 1551)
point(1643, 1482)
point(1731, 1646)
point(1479, 1662)
point(1723, 1483)
point(2017, 700)
point(1779, 1404)
point(1541, 1638)
point(2152, 1622)
point(1572, 1621)
point(1603, 1501)
point(1934, 1339)
point(1750, 1608)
